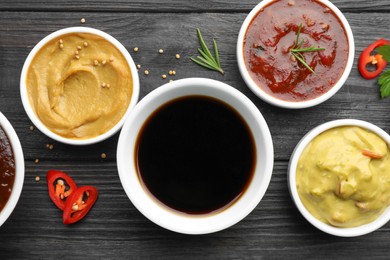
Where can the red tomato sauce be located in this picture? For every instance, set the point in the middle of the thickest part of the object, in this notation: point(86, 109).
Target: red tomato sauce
point(7, 169)
point(271, 35)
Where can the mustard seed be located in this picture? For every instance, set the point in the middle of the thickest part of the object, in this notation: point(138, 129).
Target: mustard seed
point(31, 128)
point(138, 66)
point(164, 76)
point(85, 44)
point(103, 156)
point(82, 20)
point(36, 161)
point(135, 49)
point(177, 56)
point(161, 51)
point(37, 178)
point(146, 72)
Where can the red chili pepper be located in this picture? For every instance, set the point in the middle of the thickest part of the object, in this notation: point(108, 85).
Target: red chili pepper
point(79, 203)
point(60, 186)
point(366, 58)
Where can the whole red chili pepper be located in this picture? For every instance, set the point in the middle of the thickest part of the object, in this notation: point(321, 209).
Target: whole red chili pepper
point(79, 203)
point(60, 186)
point(366, 58)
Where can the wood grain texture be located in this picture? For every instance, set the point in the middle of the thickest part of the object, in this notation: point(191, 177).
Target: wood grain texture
point(114, 228)
point(172, 6)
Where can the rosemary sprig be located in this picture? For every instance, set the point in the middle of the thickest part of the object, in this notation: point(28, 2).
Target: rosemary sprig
point(297, 50)
point(207, 60)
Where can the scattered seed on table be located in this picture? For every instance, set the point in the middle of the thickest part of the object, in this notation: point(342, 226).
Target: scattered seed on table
point(135, 49)
point(170, 72)
point(138, 66)
point(51, 147)
point(164, 76)
point(36, 161)
point(37, 178)
point(146, 72)
point(82, 20)
point(103, 155)
point(173, 72)
point(177, 56)
point(31, 128)
point(160, 51)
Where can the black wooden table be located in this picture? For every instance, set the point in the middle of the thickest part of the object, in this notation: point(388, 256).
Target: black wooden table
point(114, 228)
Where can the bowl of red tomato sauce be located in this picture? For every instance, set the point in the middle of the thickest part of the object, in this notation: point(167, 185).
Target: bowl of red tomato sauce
point(295, 53)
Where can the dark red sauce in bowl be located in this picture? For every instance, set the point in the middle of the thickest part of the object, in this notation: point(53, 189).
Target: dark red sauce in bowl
point(7, 169)
point(272, 33)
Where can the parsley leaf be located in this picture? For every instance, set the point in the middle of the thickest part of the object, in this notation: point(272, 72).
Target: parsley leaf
point(384, 83)
point(385, 52)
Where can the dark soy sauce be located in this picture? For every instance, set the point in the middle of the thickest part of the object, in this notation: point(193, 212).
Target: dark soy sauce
point(196, 155)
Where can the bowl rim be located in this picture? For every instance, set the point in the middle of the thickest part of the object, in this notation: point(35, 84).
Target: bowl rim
point(178, 222)
point(288, 104)
point(336, 231)
point(34, 118)
point(19, 169)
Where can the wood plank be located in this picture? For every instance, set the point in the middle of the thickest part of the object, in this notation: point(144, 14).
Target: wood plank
point(114, 228)
point(152, 6)
point(176, 34)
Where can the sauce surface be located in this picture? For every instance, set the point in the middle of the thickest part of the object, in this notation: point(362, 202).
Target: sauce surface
point(271, 35)
point(79, 85)
point(7, 169)
point(337, 180)
point(195, 155)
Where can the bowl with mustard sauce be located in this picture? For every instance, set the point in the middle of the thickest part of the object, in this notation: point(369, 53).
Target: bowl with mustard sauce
point(78, 85)
point(295, 53)
point(11, 169)
point(339, 177)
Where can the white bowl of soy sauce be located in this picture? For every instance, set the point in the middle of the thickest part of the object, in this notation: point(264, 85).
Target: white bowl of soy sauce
point(195, 156)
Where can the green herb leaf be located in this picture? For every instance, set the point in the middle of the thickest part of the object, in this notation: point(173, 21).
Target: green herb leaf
point(385, 52)
point(207, 60)
point(384, 83)
point(296, 50)
point(310, 49)
point(303, 62)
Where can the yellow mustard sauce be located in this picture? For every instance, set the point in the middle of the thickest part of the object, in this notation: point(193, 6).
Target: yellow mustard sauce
point(343, 176)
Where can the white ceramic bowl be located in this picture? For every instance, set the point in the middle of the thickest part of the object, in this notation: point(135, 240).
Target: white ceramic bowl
point(19, 169)
point(168, 218)
point(33, 117)
point(282, 103)
point(342, 232)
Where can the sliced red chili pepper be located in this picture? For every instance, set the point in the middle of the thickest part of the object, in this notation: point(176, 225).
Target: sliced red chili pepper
point(79, 203)
point(60, 186)
point(377, 60)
